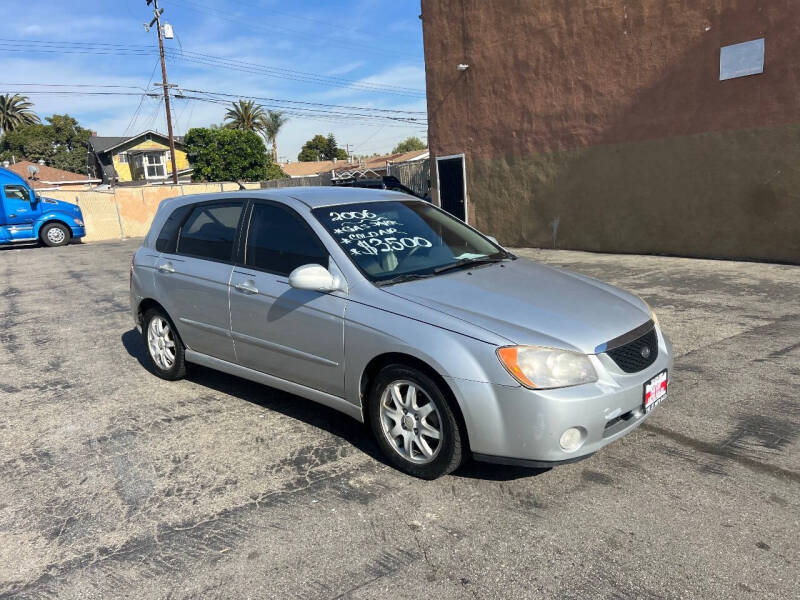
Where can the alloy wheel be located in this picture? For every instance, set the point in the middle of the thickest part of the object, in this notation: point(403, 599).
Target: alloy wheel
point(411, 422)
point(161, 343)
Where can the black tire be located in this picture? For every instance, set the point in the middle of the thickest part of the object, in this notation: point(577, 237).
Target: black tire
point(169, 370)
point(450, 447)
point(55, 234)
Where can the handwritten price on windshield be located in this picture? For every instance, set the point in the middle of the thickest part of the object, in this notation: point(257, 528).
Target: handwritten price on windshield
point(389, 244)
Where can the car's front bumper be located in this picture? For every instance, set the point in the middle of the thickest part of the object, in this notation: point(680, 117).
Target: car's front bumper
point(516, 425)
point(78, 232)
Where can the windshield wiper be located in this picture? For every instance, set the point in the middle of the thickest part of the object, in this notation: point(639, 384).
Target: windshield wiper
point(468, 262)
point(404, 277)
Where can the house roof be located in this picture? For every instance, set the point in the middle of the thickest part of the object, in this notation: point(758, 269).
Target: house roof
point(304, 169)
point(48, 176)
point(106, 143)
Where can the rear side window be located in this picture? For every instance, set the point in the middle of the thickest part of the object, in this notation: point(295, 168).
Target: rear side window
point(168, 238)
point(210, 231)
point(279, 241)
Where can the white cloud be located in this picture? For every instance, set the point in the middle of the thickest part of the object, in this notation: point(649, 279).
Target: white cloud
point(111, 115)
point(345, 68)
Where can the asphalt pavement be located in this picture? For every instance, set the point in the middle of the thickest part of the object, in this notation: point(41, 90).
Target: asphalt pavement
point(114, 483)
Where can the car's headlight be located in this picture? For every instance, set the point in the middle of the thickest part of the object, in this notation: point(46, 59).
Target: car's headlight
point(78, 222)
point(542, 368)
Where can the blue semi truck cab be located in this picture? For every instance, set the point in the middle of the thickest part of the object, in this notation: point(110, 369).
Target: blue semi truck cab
point(26, 217)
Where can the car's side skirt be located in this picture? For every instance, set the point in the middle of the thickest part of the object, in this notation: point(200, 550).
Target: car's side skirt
point(334, 402)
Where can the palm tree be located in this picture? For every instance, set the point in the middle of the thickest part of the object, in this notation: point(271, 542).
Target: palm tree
point(15, 111)
point(245, 115)
point(273, 121)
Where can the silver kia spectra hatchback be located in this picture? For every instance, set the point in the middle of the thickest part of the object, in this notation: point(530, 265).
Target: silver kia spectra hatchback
point(390, 310)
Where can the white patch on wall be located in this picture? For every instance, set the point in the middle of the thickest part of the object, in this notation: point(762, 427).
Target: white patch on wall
point(740, 60)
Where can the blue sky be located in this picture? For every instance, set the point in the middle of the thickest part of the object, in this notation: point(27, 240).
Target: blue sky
point(333, 45)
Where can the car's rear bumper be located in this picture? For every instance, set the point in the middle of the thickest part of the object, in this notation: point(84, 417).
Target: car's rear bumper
point(516, 425)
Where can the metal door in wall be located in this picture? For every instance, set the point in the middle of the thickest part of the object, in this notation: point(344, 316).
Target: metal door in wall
point(451, 178)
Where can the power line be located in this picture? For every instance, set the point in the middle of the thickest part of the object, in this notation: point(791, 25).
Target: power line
point(154, 115)
point(141, 100)
point(105, 48)
point(294, 75)
point(220, 101)
point(311, 114)
point(229, 95)
point(299, 108)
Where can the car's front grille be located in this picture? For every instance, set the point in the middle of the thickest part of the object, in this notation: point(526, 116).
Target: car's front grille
point(638, 354)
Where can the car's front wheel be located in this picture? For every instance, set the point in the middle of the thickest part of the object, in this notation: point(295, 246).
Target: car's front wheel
point(164, 346)
point(414, 423)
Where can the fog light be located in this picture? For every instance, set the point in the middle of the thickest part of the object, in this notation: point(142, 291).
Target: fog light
point(571, 439)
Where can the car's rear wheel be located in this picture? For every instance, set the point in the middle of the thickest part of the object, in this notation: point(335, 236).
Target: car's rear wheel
point(164, 346)
point(414, 423)
point(55, 234)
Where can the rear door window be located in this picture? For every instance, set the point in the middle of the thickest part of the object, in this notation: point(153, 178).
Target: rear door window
point(168, 237)
point(210, 231)
point(279, 241)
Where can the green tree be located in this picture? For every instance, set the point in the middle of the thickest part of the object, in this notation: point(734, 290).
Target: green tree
point(321, 148)
point(274, 171)
point(16, 111)
point(62, 143)
point(273, 121)
point(409, 144)
point(228, 155)
point(246, 115)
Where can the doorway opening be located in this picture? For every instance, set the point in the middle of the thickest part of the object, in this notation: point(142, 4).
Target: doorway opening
point(452, 183)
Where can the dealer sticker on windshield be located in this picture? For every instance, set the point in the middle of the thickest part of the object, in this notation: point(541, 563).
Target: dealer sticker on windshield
point(655, 391)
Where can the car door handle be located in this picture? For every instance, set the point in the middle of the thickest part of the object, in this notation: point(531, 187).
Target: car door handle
point(248, 287)
point(166, 268)
point(12, 216)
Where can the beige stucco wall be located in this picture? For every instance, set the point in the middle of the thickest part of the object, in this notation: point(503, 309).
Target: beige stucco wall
point(128, 211)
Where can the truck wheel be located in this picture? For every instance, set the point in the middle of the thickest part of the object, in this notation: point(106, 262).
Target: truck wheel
point(55, 234)
point(414, 424)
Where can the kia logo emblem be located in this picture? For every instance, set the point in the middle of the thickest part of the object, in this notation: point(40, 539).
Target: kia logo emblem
point(645, 352)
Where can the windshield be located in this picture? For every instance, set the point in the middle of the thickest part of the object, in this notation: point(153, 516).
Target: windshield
point(391, 241)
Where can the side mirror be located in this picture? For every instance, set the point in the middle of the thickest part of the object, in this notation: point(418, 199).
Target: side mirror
point(35, 198)
point(313, 277)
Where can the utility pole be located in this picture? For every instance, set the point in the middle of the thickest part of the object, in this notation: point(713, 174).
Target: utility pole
point(157, 21)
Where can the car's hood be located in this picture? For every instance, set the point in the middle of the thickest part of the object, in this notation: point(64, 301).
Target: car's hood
point(528, 303)
point(67, 207)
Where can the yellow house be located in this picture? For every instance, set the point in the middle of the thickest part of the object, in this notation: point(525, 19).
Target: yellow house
point(143, 158)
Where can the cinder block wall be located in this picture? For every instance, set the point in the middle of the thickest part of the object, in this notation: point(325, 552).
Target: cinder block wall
point(603, 125)
point(128, 211)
